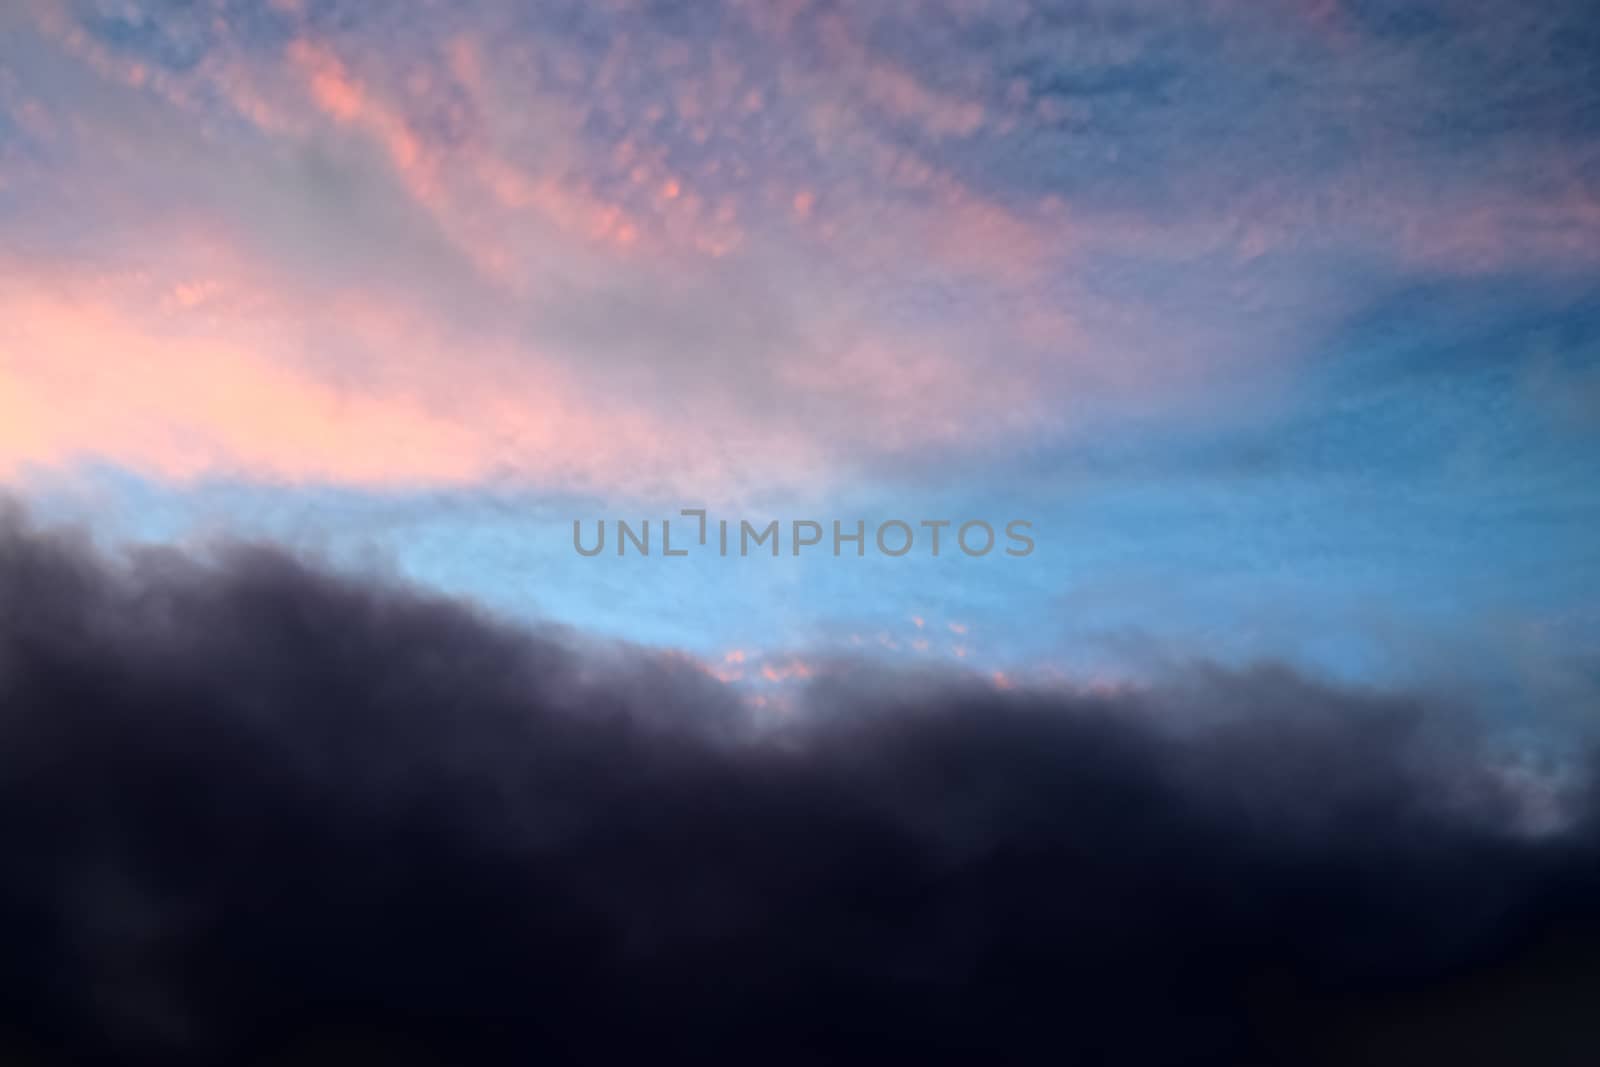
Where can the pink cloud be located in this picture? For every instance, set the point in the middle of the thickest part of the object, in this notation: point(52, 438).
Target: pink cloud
point(789, 670)
point(193, 390)
point(307, 350)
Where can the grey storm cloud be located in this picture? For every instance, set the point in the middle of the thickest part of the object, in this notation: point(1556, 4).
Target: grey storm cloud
point(252, 811)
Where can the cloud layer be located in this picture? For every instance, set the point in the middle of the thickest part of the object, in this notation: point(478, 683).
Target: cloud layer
point(255, 812)
point(777, 242)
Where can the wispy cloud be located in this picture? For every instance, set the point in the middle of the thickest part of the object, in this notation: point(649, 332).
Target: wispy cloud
point(835, 237)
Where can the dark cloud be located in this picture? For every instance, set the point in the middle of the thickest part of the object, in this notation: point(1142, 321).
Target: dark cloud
point(252, 812)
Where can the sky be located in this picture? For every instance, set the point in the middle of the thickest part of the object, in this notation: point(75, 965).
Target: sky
point(1280, 323)
point(1264, 335)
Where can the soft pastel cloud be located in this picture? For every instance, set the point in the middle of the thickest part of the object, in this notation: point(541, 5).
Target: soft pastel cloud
point(844, 238)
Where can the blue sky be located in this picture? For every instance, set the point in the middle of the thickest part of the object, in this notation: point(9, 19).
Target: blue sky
point(1279, 324)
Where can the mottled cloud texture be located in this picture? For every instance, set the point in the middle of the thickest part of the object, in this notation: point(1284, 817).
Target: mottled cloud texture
point(618, 246)
point(255, 812)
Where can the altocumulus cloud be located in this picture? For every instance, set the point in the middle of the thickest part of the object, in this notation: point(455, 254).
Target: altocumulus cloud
point(254, 812)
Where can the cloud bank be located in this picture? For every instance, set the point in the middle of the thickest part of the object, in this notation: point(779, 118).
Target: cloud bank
point(254, 812)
